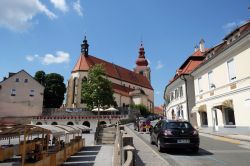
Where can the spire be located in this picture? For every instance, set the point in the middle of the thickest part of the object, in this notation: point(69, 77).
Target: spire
point(141, 60)
point(85, 47)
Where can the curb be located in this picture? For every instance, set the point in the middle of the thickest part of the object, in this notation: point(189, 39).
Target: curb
point(219, 135)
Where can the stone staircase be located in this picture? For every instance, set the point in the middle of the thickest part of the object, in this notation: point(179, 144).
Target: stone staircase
point(106, 136)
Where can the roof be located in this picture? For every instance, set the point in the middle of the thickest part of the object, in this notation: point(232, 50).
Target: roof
point(189, 65)
point(84, 63)
point(13, 74)
point(158, 110)
point(122, 90)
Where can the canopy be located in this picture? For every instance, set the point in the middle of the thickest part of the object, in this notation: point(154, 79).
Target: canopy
point(200, 108)
point(225, 103)
point(55, 130)
point(96, 109)
point(112, 109)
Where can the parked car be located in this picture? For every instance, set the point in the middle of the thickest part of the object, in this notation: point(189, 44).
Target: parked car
point(175, 134)
point(142, 124)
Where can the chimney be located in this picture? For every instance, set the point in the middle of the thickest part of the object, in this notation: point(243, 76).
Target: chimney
point(202, 47)
point(196, 48)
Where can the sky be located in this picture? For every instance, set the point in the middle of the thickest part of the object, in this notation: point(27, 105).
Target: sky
point(46, 34)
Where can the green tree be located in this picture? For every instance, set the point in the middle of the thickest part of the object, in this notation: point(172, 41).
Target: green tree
point(97, 90)
point(40, 77)
point(142, 108)
point(54, 89)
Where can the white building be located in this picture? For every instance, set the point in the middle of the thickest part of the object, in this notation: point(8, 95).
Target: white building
point(179, 93)
point(222, 84)
point(20, 96)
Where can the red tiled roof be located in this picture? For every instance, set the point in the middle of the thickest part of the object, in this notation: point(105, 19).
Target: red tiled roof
point(112, 70)
point(190, 64)
point(158, 110)
point(122, 90)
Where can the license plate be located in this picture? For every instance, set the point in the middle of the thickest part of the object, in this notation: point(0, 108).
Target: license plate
point(183, 141)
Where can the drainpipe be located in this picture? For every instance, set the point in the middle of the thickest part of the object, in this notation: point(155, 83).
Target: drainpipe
point(182, 77)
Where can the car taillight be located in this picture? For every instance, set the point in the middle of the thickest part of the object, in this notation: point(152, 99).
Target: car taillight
point(167, 132)
point(195, 132)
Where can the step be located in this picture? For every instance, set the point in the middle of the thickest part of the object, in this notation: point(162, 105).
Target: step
point(106, 138)
point(106, 134)
point(105, 142)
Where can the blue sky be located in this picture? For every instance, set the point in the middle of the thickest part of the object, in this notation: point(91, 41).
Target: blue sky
point(46, 35)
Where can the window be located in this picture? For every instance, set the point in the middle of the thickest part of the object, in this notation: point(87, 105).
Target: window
point(181, 91)
point(199, 85)
point(17, 79)
point(32, 93)
point(13, 92)
point(26, 80)
point(231, 70)
point(210, 80)
point(175, 93)
point(172, 96)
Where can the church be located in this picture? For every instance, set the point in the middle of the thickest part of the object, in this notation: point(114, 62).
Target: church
point(130, 87)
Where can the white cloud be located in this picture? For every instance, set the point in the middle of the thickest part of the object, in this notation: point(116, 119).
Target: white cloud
point(77, 7)
point(232, 25)
point(47, 59)
point(159, 65)
point(30, 58)
point(60, 5)
point(17, 15)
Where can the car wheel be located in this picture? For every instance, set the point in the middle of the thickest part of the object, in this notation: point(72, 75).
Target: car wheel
point(195, 150)
point(159, 145)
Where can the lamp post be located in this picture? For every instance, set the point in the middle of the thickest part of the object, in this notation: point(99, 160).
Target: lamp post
point(98, 113)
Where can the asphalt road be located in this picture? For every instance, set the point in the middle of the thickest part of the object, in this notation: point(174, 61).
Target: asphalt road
point(214, 151)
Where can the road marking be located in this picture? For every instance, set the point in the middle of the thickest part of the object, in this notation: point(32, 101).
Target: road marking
point(220, 138)
point(227, 140)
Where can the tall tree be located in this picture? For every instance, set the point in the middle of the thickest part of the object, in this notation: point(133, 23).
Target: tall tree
point(40, 77)
point(54, 89)
point(97, 90)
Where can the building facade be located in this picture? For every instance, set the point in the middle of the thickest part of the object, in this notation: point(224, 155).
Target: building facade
point(179, 93)
point(222, 84)
point(20, 96)
point(130, 87)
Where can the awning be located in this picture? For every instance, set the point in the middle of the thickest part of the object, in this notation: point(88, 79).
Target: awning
point(96, 109)
point(225, 103)
point(112, 109)
point(200, 108)
point(195, 109)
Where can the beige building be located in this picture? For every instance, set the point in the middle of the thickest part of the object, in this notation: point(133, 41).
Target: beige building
point(222, 84)
point(130, 87)
point(20, 96)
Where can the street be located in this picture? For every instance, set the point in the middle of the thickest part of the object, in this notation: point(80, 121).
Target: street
point(214, 151)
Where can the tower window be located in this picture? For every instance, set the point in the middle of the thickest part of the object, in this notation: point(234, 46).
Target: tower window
point(141, 72)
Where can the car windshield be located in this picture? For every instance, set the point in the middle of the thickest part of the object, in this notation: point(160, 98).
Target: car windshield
point(178, 125)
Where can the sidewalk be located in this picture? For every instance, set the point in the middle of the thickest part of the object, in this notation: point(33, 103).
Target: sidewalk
point(227, 134)
point(145, 155)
